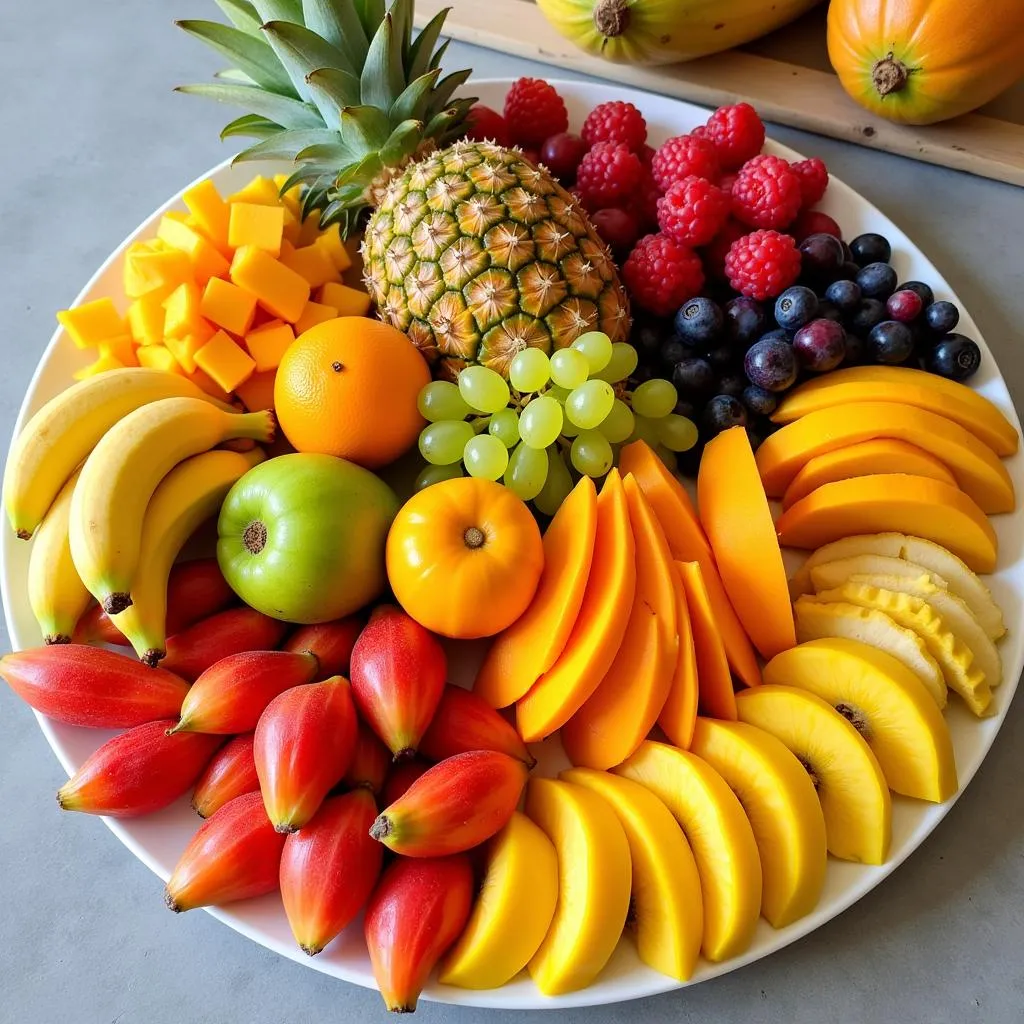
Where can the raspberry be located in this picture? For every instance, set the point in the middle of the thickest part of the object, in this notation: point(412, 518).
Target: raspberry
point(682, 156)
point(533, 111)
point(646, 154)
point(661, 275)
point(814, 222)
point(726, 182)
point(486, 125)
point(616, 121)
point(766, 193)
point(608, 175)
point(763, 264)
point(737, 132)
point(645, 202)
point(813, 175)
point(715, 253)
point(692, 211)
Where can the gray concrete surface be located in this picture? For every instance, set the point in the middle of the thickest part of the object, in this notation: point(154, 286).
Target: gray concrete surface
point(92, 140)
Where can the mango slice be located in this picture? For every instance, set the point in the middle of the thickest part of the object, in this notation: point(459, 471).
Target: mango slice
point(715, 695)
point(679, 715)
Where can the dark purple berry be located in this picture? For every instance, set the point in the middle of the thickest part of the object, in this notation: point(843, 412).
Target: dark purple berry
point(855, 349)
point(647, 339)
point(699, 322)
point(723, 412)
point(759, 401)
point(722, 357)
point(844, 295)
point(694, 378)
point(820, 345)
point(919, 288)
point(758, 430)
point(829, 311)
point(870, 248)
point(877, 280)
point(868, 313)
point(904, 305)
point(777, 335)
point(795, 307)
point(673, 350)
point(643, 372)
point(745, 321)
point(847, 253)
point(890, 342)
point(684, 408)
point(941, 317)
point(688, 462)
point(954, 357)
point(732, 384)
point(821, 256)
point(771, 364)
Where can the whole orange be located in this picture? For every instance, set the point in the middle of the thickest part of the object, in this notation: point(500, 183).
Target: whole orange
point(348, 387)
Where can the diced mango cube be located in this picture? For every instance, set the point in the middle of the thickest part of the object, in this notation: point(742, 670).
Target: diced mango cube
point(260, 190)
point(92, 322)
point(292, 233)
point(208, 384)
point(182, 314)
point(309, 230)
point(206, 260)
point(121, 348)
point(185, 349)
point(257, 393)
point(210, 211)
point(330, 241)
point(314, 313)
point(146, 320)
point(254, 224)
point(287, 248)
point(228, 306)
point(268, 344)
point(292, 199)
point(156, 357)
point(313, 263)
point(101, 365)
point(347, 301)
point(279, 289)
point(179, 215)
point(155, 272)
point(225, 362)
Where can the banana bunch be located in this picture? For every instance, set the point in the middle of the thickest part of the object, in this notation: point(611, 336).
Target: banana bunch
point(112, 476)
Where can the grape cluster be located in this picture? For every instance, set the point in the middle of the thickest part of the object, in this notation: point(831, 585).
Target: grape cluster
point(555, 419)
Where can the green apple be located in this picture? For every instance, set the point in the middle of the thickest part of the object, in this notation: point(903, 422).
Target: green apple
point(301, 537)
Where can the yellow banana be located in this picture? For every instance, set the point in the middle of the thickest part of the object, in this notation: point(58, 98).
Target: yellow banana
point(189, 495)
point(56, 594)
point(62, 433)
point(121, 474)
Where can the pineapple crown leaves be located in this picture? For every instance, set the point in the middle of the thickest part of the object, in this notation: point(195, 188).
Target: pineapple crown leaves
point(341, 87)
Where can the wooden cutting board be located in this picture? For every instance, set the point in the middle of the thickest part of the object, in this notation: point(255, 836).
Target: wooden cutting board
point(786, 92)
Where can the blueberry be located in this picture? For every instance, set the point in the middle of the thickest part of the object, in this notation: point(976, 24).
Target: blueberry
point(870, 248)
point(855, 349)
point(771, 364)
point(673, 350)
point(777, 335)
point(745, 320)
point(821, 256)
point(844, 295)
point(890, 342)
point(723, 412)
point(829, 311)
point(647, 338)
point(868, 313)
point(820, 345)
point(721, 357)
point(694, 378)
point(877, 280)
point(758, 430)
point(920, 289)
point(848, 271)
point(795, 307)
point(684, 408)
point(699, 321)
point(732, 384)
point(953, 356)
point(942, 316)
point(759, 401)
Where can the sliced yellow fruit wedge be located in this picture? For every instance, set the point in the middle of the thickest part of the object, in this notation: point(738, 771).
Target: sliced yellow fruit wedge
point(834, 574)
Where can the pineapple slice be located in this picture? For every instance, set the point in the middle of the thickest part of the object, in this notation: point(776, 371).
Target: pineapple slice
point(887, 705)
point(834, 574)
point(816, 620)
point(783, 810)
point(851, 787)
point(949, 650)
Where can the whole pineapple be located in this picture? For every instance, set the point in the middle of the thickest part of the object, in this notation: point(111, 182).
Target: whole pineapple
point(472, 250)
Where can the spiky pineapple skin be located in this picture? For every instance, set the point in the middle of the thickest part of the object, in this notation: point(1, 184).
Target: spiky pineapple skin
point(477, 254)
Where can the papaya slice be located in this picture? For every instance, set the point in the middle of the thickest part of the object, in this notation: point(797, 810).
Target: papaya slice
point(715, 695)
point(679, 715)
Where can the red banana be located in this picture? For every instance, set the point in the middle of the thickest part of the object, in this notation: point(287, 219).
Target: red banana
point(398, 674)
point(370, 762)
point(303, 746)
point(453, 806)
point(96, 627)
point(235, 854)
point(231, 773)
point(192, 651)
point(329, 869)
point(88, 686)
point(463, 721)
point(229, 697)
point(400, 778)
point(137, 772)
point(331, 642)
point(417, 911)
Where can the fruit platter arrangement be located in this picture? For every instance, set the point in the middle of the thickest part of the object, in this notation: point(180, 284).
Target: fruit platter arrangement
point(512, 548)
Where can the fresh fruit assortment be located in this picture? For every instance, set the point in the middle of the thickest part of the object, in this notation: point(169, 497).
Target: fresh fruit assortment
point(315, 724)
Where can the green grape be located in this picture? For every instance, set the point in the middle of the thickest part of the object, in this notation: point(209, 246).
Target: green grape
point(504, 426)
point(527, 471)
point(540, 422)
point(557, 393)
point(591, 453)
point(622, 363)
point(557, 485)
point(597, 347)
point(483, 389)
point(440, 400)
point(677, 433)
point(655, 398)
point(435, 474)
point(618, 424)
point(589, 404)
point(569, 429)
point(644, 429)
point(569, 368)
point(441, 444)
point(529, 370)
point(666, 456)
point(485, 456)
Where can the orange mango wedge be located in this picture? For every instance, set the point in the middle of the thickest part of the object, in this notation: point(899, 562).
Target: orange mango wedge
point(679, 715)
point(715, 696)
